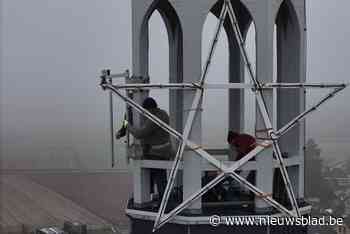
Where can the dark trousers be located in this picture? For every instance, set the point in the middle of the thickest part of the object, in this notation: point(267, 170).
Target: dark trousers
point(158, 178)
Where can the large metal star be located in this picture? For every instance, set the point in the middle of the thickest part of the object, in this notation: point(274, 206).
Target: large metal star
point(225, 169)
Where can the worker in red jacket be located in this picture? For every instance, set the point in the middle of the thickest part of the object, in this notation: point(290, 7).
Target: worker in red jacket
point(241, 145)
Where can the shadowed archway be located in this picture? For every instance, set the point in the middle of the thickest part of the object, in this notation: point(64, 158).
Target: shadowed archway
point(175, 39)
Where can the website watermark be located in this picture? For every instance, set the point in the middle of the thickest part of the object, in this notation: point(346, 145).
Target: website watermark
point(217, 220)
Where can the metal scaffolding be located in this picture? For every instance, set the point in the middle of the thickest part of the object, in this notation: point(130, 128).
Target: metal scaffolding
point(199, 87)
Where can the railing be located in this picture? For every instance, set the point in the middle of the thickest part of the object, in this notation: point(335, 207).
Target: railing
point(221, 154)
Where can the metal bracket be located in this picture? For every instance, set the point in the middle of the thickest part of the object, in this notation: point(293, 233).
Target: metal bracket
point(139, 79)
point(107, 78)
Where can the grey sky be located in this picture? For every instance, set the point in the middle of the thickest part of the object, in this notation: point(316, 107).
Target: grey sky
point(52, 52)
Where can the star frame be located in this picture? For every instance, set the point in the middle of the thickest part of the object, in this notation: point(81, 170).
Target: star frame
point(225, 170)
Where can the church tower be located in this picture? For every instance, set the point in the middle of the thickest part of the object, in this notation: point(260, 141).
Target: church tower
point(280, 27)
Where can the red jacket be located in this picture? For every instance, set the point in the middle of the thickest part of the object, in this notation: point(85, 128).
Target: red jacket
point(244, 143)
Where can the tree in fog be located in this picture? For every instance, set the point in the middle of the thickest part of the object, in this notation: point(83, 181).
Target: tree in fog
point(316, 183)
point(347, 167)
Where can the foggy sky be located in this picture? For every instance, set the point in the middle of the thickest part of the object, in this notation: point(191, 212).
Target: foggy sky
point(52, 52)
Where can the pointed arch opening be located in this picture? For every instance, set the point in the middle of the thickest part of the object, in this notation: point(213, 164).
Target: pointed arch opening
point(289, 102)
point(249, 96)
point(161, 48)
point(215, 102)
point(158, 60)
point(287, 70)
point(237, 107)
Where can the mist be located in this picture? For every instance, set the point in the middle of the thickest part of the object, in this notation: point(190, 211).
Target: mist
point(53, 114)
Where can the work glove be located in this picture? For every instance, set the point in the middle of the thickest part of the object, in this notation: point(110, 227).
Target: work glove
point(121, 133)
point(125, 123)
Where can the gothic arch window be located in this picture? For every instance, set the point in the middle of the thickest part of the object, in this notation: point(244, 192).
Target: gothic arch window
point(289, 102)
point(158, 62)
point(215, 102)
point(287, 70)
point(161, 56)
point(227, 66)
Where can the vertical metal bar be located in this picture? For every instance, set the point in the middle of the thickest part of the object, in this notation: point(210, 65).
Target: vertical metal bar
point(130, 95)
point(111, 128)
point(111, 115)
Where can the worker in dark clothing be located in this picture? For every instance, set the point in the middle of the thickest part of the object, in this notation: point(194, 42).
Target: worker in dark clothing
point(155, 142)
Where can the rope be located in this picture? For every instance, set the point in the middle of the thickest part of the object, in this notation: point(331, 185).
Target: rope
point(196, 148)
point(263, 130)
point(264, 195)
point(193, 109)
point(263, 145)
